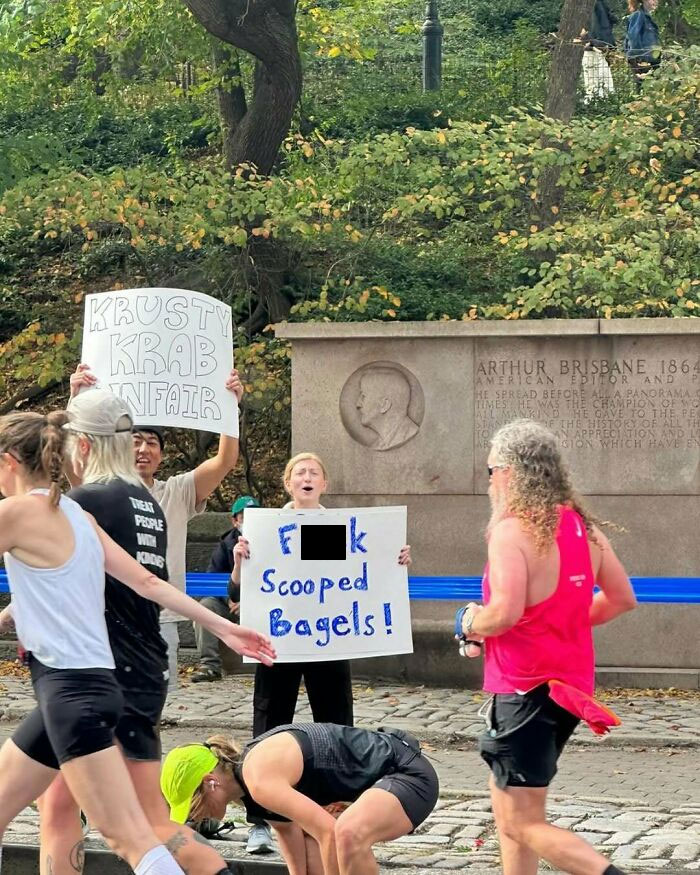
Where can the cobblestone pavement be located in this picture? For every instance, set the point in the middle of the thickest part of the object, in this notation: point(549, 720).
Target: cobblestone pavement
point(448, 716)
point(459, 835)
point(641, 805)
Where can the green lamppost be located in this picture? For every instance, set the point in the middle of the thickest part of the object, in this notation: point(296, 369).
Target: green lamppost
point(432, 48)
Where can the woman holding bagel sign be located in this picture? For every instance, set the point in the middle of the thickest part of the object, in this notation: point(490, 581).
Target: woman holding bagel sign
point(328, 684)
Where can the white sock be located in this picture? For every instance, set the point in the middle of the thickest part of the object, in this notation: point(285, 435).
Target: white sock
point(158, 861)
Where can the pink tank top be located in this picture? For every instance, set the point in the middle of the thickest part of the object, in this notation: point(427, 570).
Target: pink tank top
point(553, 639)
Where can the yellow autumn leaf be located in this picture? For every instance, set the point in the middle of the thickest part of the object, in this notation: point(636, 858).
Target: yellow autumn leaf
point(676, 131)
point(334, 52)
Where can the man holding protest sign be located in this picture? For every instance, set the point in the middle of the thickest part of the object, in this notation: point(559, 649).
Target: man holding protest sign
point(167, 353)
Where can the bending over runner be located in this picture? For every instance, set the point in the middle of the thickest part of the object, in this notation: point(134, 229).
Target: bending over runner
point(102, 457)
point(56, 557)
point(288, 775)
point(545, 555)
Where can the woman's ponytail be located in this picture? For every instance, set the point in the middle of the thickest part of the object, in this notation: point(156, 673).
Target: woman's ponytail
point(53, 443)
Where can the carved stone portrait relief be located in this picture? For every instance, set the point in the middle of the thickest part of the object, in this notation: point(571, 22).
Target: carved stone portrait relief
point(382, 405)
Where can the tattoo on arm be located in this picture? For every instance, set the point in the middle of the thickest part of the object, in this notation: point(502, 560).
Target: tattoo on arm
point(77, 856)
point(49, 865)
point(176, 842)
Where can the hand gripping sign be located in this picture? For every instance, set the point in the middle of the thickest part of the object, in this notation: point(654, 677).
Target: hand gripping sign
point(167, 353)
point(326, 584)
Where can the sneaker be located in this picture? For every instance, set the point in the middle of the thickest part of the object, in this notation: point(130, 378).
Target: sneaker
point(205, 674)
point(260, 840)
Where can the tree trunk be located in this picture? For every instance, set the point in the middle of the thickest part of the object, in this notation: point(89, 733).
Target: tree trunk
point(230, 96)
point(566, 58)
point(563, 80)
point(267, 263)
point(265, 29)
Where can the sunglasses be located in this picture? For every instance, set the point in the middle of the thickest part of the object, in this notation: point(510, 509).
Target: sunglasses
point(492, 468)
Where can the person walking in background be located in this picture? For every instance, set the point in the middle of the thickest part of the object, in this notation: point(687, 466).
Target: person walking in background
point(221, 562)
point(642, 43)
point(182, 496)
point(545, 556)
point(597, 76)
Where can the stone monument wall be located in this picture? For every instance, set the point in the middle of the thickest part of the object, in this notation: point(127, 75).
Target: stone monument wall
point(403, 414)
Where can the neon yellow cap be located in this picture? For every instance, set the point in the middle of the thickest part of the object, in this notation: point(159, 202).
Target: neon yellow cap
point(183, 771)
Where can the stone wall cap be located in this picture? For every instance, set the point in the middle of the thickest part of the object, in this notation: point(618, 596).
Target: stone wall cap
point(683, 325)
point(410, 330)
point(486, 328)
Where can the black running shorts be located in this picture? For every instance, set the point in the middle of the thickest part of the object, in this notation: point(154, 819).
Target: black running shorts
point(77, 711)
point(137, 729)
point(524, 738)
point(414, 783)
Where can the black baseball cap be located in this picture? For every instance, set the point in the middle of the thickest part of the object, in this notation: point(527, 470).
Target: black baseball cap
point(152, 429)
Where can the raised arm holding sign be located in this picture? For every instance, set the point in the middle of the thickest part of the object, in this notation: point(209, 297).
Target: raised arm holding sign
point(116, 355)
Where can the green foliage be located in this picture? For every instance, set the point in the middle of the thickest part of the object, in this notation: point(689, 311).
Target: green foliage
point(22, 154)
point(104, 133)
point(504, 17)
point(387, 204)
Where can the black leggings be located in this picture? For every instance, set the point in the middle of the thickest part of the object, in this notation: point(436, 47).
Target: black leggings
point(328, 686)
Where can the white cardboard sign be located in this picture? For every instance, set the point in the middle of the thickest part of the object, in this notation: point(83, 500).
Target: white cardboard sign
point(326, 584)
point(167, 353)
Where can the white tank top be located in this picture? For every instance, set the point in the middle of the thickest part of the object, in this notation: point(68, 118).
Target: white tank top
point(60, 612)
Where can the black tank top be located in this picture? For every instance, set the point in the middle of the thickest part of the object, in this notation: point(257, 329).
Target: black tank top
point(340, 762)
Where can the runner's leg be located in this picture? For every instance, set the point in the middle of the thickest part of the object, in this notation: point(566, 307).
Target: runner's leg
point(62, 843)
point(377, 816)
point(22, 780)
point(101, 785)
point(522, 813)
point(191, 850)
point(516, 859)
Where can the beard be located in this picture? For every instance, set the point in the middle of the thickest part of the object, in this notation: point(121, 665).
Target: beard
point(499, 508)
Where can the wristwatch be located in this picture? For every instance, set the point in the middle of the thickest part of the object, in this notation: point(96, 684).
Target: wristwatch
point(467, 622)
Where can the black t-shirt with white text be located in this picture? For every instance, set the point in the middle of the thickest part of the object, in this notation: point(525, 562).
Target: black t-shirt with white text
point(130, 516)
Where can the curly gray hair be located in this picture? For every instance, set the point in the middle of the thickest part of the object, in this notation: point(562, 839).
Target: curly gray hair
point(539, 483)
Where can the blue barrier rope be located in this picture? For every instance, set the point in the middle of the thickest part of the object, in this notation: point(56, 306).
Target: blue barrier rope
point(658, 590)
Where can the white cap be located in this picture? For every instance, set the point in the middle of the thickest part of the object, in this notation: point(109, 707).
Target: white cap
point(98, 412)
